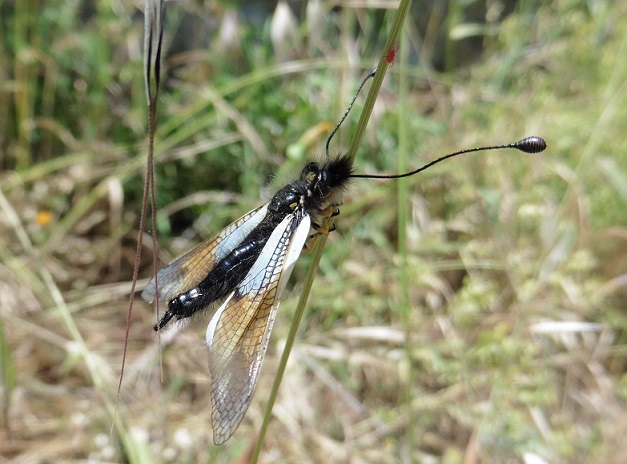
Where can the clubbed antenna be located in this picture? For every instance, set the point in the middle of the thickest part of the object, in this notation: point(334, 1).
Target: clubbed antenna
point(531, 145)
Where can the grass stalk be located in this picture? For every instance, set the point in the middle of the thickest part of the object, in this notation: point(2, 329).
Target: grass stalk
point(397, 25)
point(404, 272)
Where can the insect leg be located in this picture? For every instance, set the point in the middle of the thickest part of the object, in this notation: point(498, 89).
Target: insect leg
point(324, 226)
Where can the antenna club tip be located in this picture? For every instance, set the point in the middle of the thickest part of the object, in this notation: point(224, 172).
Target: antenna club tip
point(533, 144)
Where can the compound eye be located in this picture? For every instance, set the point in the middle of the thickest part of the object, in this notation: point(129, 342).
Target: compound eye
point(319, 186)
point(322, 177)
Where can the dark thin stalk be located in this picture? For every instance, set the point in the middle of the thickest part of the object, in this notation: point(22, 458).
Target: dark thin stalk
point(401, 13)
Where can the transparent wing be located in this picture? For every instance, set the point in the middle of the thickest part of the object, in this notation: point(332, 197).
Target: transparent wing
point(189, 270)
point(238, 334)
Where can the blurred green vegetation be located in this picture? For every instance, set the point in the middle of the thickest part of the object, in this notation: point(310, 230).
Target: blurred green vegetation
point(496, 333)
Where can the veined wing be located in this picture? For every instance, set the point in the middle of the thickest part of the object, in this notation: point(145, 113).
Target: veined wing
point(189, 270)
point(238, 334)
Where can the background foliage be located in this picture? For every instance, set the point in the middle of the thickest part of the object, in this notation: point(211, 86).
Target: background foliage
point(473, 314)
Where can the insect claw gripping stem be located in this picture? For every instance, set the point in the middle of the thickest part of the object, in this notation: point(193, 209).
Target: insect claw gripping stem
point(326, 214)
point(325, 228)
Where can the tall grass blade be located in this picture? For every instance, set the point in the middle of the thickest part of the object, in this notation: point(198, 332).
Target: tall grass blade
point(153, 36)
point(399, 18)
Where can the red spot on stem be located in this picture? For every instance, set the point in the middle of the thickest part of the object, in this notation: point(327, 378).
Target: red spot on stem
point(391, 55)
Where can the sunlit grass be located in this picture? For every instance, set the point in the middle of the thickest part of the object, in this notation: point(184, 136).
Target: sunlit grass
point(436, 326)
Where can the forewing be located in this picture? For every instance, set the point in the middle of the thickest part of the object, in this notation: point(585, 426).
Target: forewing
point(238, 334)
point(189, 270)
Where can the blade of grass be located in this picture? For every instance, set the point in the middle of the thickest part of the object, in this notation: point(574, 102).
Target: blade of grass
point(26, 38)
point(8, 375)
point(154, 11)
point(401, 14)
point(404, 272)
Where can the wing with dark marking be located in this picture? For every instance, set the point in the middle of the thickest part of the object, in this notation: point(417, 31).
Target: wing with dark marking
point(189, 270)
point(238, 334)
